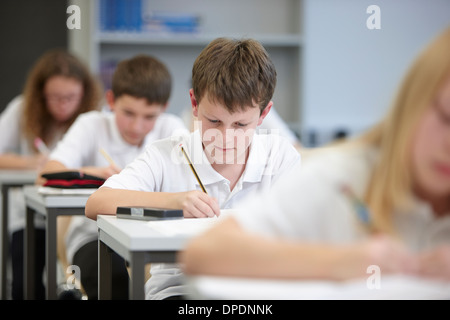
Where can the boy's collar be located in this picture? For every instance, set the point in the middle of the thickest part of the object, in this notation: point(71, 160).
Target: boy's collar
point(258, 160)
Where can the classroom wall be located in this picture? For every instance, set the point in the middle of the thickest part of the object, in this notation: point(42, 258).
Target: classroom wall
point(351, 72)
point(28, 29)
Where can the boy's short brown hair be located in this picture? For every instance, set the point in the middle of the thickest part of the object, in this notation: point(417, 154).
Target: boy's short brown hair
point(235, 73)
point(142, 76)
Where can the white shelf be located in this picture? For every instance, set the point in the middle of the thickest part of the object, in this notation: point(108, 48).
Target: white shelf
point(273, 40)
point(276, 24)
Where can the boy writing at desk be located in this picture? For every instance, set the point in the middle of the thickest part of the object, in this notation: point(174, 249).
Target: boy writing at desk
point(141, 88)
point(233, 83)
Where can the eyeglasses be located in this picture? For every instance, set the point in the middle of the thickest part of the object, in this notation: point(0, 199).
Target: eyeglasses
point(55, 98)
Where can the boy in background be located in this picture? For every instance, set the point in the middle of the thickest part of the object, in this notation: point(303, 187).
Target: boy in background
point(233, 84)
point(141, 88)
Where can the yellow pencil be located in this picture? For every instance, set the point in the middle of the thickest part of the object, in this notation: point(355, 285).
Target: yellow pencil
point(193, 169)
point(107, 157)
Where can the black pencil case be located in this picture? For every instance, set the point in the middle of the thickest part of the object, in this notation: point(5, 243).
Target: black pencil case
point(72, 180)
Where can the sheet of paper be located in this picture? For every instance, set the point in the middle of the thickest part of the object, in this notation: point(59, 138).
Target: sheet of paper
point(392, 287)
point(62, 191)
point(187, 226)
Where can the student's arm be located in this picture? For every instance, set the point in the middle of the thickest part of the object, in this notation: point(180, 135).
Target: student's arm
point(101, 172)
point(55, 166)
point(16, 161)
point(435, 263)
point(226, 249)
point(193, 203)
point(50, 166)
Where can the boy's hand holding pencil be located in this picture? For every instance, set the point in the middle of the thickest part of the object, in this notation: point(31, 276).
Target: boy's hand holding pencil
point(196, 204)
point(113, 168)
point(103, 172)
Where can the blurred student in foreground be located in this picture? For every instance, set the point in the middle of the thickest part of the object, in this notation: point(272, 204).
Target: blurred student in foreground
point(311, 224)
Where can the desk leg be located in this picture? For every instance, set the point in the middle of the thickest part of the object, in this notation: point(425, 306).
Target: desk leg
point(104, 271)
point(50, 253)
point(29, 253)
point(5, 241)
point(137, 281)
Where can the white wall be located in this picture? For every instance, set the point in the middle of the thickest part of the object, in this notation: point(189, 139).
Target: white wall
point(350, 72)
point(78, 40)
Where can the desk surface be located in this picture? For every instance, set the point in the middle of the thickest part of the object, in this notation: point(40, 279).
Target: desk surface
point(139, 242)
point(63, 200)
point(393, 287)
point(140, 235)
point(17, 176)
point(50, 206)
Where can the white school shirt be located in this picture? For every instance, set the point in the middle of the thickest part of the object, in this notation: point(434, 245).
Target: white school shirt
point(163, 168)
point(308, 205)
point(12, 140)
point(80, 147)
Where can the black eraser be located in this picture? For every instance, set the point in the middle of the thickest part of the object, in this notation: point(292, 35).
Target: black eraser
point(146, 213)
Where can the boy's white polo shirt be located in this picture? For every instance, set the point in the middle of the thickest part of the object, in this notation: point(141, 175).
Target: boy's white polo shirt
point(94, 130)
point(163, 168)
point(80, 147)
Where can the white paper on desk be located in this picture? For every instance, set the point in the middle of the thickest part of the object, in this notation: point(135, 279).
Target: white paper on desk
point(64, 191)
point(187, 226)
point(393, 287)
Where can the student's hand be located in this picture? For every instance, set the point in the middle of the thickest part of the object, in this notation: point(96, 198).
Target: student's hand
point(380, 251)
point(36, 161)
point(111, 170)
point(391, 256)
point(101, 172)
point(197, 204)
point(435, 263)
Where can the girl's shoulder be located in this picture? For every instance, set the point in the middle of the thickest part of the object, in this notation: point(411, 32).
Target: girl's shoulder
point(340, 162)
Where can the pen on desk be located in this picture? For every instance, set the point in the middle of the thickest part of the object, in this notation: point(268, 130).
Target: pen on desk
point(193, 169)
point(361, 209)
point(107, 157)
point(40, 145)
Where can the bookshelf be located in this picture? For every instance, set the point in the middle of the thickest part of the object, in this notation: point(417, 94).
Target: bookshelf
point(277, 24)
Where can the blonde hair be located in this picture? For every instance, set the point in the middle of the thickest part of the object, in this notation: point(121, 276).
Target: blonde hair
point(391, 183)
point(36, 119)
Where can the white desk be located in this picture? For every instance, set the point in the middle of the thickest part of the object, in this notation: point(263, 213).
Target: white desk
point(140, 242)
point(392, 287)
point(10, 179)
point(50, 206)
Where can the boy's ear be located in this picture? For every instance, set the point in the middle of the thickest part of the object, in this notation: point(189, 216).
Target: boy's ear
point(265, 112)
point(194, 104)
point(109, 95)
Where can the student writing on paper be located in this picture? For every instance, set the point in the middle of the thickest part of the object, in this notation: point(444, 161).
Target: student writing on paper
point(233, 83)
point(311, 226)
point(141, 88)
point(58, 88)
